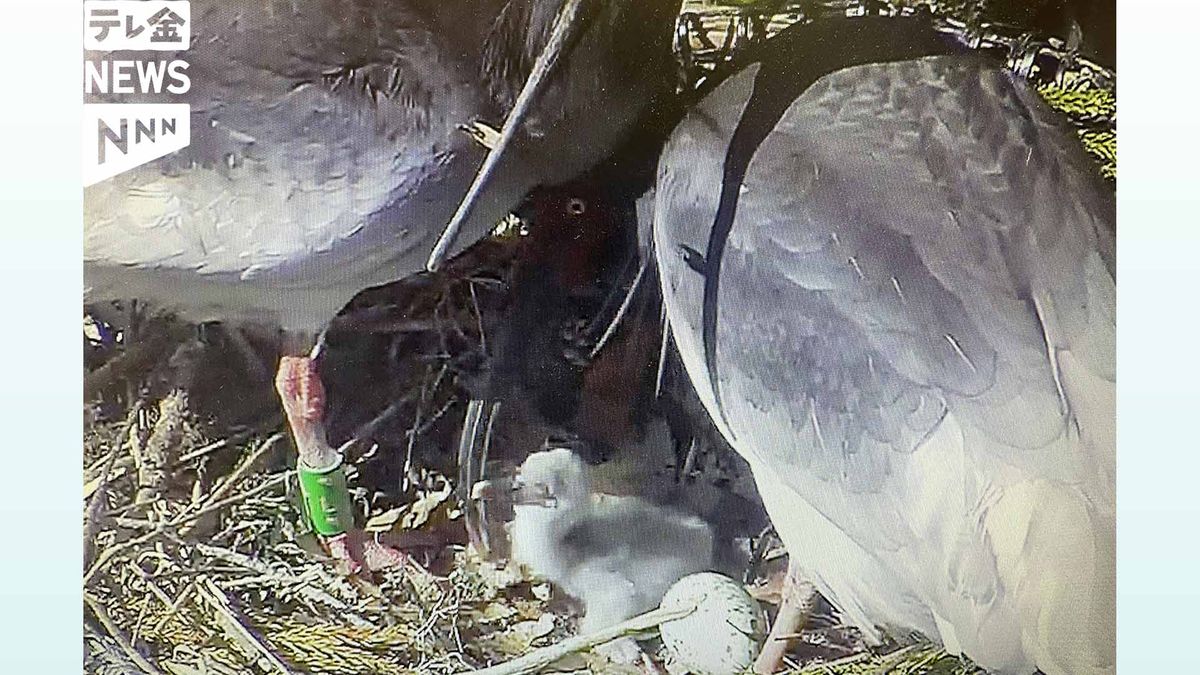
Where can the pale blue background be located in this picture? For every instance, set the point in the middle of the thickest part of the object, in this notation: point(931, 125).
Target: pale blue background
point(1158, 347)
point(40, 357)
point(1159, 338)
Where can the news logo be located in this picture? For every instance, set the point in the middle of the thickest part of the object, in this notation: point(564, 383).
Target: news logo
point(136, 25)
point(120, 136)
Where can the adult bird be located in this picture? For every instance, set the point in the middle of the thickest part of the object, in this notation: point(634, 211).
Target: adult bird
point(326, 155)
point(889, 270)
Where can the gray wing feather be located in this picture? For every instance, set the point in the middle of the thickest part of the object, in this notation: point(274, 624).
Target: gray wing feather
point(901, 253)
point(309, 123)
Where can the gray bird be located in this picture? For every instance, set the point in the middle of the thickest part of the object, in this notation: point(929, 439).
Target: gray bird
point(326, 157)
point(889, 270)
point(326, 154)
point(616, 554)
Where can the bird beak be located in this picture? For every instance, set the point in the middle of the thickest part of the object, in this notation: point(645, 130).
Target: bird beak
point(523, 495)
point(571, 23)
point(483, 490)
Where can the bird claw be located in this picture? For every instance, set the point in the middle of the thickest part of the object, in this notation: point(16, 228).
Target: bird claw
point(355, 553)
point(482, 133)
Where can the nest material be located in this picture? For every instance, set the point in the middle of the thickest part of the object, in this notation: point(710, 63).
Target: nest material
point(1093, 113)
point(219, 574)
point(232, 585)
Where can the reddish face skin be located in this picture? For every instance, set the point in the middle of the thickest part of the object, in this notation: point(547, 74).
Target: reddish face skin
point(574, 232)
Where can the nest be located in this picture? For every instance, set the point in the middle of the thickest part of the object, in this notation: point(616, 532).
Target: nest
point(190, 571)
point(199, 560)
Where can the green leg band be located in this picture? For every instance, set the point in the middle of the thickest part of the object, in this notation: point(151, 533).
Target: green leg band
point(326, 499)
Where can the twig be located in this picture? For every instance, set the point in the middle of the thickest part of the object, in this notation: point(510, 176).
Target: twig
point(303, 588)
point(103, 653)
point(153, 457)
point(433, 419)
point(118, 469)
point(217, 506)
point(621, 311)
point(478, 317)
point(234, 627)
point(92, 513)
point(141, 616)
point(540, 658)
point(885, 659)
point(176, 605)
point(149, 581)
point(223, 443)
point(426, 392)
point(243, 469)
point(112, 551)
point(116, 634)
point(91, 474)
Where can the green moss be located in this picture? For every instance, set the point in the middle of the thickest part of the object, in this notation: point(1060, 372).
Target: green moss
point(1093, 112)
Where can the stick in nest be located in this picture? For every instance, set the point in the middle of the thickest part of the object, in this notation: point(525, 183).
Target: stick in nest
point(244, 469)
point(126, 646)
point(236, 630)
point(93, 511)
point(540, 658)
point(109, 553)
point(155, 456)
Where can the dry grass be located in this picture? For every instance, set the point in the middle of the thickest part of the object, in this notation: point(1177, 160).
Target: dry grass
point(218, 574)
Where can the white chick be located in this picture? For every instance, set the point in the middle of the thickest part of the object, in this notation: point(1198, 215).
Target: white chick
point(617, 555)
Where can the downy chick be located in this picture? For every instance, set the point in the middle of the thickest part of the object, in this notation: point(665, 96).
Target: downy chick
point(617, 555)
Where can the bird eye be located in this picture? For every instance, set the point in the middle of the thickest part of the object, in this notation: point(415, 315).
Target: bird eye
point(576, 206)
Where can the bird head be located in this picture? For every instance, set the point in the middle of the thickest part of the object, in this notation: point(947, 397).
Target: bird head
point(577, 218)
point(555, 478)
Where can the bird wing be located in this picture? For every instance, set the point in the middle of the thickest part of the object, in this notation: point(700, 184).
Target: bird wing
point(310, 132)
point(914, 243)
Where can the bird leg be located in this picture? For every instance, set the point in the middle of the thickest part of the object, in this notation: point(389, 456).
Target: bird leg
point(321, 475)
point(797, 601)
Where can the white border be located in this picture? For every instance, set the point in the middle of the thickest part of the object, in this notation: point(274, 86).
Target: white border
point(1159, 337)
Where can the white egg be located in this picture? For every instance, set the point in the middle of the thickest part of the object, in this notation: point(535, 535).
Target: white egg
point(723, 635)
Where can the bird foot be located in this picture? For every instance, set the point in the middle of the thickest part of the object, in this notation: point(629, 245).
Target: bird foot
point(797, 599)
point(303, 397)
point(354, 553)
point(626, 652)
